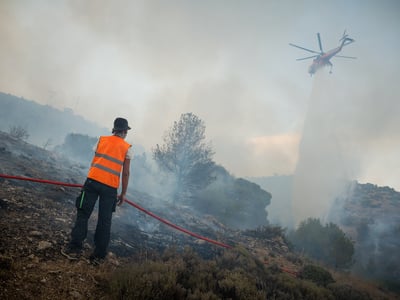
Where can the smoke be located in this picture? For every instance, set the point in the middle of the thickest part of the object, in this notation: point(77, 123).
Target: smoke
point(327, 158)
point(227, 62)
point(152, 61)
point(146, 177)
point(349, 133)
point(280, 187)
point(369, 215)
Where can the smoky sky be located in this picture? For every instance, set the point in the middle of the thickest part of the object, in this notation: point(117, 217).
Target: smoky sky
point(228, 62)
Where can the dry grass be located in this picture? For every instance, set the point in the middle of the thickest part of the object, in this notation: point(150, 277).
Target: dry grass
point(374, 289)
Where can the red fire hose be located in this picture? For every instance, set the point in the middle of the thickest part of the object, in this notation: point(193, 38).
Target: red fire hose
point(41, 180)
point(130, 203)
point(139, 208)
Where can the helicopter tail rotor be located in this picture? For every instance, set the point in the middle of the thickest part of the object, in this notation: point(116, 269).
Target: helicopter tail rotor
point(345, 39)
point(345, 35)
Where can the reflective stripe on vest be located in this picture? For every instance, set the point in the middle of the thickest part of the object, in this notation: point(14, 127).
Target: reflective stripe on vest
point(106, 169)
point(108, 160)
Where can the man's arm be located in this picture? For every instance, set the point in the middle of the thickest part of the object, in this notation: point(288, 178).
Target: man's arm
point(125, 180)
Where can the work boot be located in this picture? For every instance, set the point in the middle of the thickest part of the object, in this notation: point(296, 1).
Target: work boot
point(72, 253)
point(96, 260)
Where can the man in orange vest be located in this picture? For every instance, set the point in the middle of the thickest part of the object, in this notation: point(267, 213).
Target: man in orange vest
point(112, 157)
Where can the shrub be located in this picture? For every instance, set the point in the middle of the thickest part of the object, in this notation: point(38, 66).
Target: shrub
point(316, 274)
point(235, 274)
point(285, 287)
point(266, 232)
point(347, 292)
point(325, 243)
point(19, 132)
point(149, 280)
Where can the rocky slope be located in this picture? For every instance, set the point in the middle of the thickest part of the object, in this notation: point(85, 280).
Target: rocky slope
point(370, 215)
point(36, 218)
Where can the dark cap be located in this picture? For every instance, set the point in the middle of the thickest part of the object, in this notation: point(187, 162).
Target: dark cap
point(121, 124)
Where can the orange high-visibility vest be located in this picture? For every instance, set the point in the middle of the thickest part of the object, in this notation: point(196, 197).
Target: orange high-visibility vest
point(108, 160)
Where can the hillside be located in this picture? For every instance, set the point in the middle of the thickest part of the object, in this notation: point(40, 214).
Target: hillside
point(45, 124)
point(367, 213)
point(36, 219)
point(371, 216)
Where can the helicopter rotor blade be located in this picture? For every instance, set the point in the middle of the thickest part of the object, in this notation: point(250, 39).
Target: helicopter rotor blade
point(307, 57)
point(341, 56)
point(319, 43)
point(312, 51)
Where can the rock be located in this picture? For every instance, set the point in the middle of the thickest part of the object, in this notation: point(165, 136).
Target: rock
point(34, 258)
point(199, 242)
point(44, 245)
point(75, 294)
point(35, 233)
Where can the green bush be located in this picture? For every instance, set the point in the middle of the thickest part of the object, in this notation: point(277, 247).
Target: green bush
point(316, 274)
point(233, 275)
point(150, 280)
point(324, 243)
point(286, 287)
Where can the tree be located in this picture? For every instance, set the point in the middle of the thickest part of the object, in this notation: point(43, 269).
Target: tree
point(19, 132)
point(325, 243)
point(186, 155)
point(310, 238)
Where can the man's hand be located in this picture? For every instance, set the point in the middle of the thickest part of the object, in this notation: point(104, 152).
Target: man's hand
point(121, 199)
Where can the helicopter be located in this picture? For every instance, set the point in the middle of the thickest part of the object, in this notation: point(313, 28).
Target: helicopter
point(323, 58)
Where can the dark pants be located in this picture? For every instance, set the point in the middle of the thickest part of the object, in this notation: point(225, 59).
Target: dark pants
point(93, 190)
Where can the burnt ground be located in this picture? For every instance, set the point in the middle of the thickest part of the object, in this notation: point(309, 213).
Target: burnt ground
point(36, 219)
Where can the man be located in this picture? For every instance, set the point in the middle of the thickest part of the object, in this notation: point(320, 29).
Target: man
point(112, 156)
